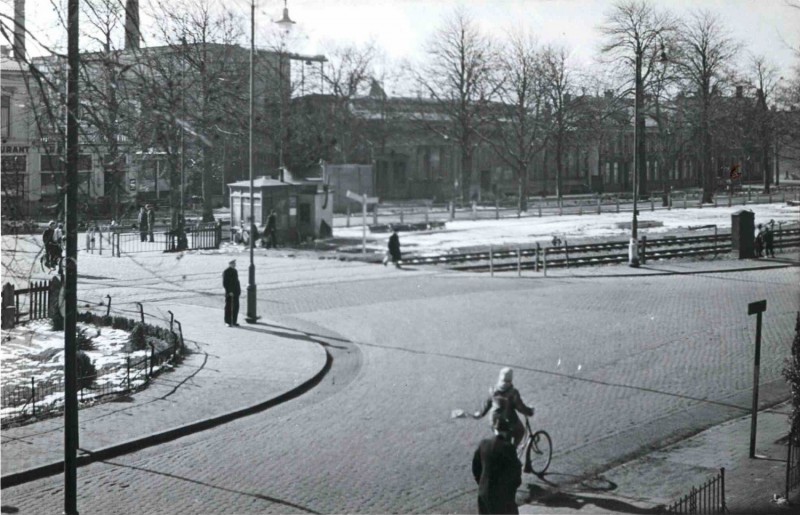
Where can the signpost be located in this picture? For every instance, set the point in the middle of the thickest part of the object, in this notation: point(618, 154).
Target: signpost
point(365, 201)
point(756, 308)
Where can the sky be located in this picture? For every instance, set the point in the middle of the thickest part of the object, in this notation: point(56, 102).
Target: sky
point(403, 27)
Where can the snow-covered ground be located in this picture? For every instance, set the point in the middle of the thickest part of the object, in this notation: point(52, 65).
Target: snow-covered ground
point(35, 351)
point(528, 230)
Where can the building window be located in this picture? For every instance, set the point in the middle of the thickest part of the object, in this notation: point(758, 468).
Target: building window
point(6, 116)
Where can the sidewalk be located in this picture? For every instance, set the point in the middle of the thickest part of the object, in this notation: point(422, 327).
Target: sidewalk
point(658, 479)
point(231, 372)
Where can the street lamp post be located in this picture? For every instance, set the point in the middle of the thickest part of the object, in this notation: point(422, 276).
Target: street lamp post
point(285, 22)
point(633, 247)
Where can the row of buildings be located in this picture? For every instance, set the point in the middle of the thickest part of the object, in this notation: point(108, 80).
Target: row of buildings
point(178, 142)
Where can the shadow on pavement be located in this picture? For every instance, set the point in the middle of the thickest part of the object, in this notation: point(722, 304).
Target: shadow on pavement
point(292, 336)
point(576, 501)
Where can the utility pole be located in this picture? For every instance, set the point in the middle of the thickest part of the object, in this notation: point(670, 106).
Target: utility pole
point(71, 281)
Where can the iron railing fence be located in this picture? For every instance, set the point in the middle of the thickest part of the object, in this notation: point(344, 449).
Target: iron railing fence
point(427, 213)
point(35, 399)
point(708, 498)
point(30, 303)
point(563, 255)
point(201, 237)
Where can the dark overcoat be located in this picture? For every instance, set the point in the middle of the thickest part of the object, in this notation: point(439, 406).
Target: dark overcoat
point(230, 280)
point(498, 473)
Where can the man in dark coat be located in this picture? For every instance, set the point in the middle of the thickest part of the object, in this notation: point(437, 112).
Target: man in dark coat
point(142, 220)
point(769, 239)
point(230, 280)
point(272, 228)
point(497, 471)
point(394, 248)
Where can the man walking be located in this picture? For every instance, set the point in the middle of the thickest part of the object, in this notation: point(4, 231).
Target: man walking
point(151, 222)
point(142, 221)
point(769, 239)
point(497, 471)
point(394, 248)
point(230, 281)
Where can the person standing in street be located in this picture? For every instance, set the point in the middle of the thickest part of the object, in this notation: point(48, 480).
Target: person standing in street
point(272, 222)
point(769, 239)
point(151, 222)
point(230, 281)
point(142, 221)
point(497, 471)
point(394, 248)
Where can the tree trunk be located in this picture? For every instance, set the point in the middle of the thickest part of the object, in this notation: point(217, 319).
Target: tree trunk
point(559, 166)
point(208, 211)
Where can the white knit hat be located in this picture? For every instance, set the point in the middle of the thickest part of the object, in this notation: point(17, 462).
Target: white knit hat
point(506, 375)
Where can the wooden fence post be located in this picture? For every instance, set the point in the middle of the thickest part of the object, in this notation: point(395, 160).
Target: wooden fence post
point(8, 314)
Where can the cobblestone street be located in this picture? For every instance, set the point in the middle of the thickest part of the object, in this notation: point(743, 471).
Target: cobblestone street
point(613, 365)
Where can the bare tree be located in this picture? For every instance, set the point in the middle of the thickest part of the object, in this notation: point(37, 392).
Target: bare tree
point(457, 78)
point(764, 77)
point(703, 55)
point(634, 32)
point(517, 136)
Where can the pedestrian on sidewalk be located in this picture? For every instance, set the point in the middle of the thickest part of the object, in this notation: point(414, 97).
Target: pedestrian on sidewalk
point(759, 243)
point(769, 239)
point(272, 230)
point(230, 281)
point(142, 220)
point(497, 471)
point(394, 249)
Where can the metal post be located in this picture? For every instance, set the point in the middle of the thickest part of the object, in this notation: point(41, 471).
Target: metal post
point(128, 371)
point(491, 260)
point(544, 261)
point(722, 479)
point(536, 259)
point(252, 317)
point(652, 204)
point(348, 215)
point(141, 311)
point(33, 397)
point(617, 202)
point(364, 224)
point(171, 320)
point(756, 308)
point(519, 262)
point(540, 208)
point(644, 249)
point(108, 307)
point(71, 282)
point(566, 252)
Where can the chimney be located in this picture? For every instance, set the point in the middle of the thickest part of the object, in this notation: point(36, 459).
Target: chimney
point(739, 91)
point(19, 30)
point(132, 34)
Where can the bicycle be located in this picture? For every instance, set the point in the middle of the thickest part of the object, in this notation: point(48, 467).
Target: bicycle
point(535, 451)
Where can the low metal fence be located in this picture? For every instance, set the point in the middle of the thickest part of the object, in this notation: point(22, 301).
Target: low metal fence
point(708, 498)
point(202, 237)
point(41, 398)
point(563, 255)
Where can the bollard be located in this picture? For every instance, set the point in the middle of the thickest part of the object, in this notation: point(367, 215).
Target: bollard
point(519, 262)
point(108, 307)
point(536, 259)
point(33, 397)
point(491, 260)
point(141, 311)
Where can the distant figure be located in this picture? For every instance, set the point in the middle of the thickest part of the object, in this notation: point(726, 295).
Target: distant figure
point(497, 471)
point(394, 249)
point(769, 239)
point(230, 281)
point(272, 222)
point(759, 243)
point(142, 221)
point(52, 250)
point(180, 232)
point(58, 234)
point(151, 222)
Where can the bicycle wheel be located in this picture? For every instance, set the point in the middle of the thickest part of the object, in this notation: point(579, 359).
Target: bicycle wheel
point(541, 452)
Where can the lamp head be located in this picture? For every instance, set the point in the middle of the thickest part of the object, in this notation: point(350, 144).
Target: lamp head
point(285, 22)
